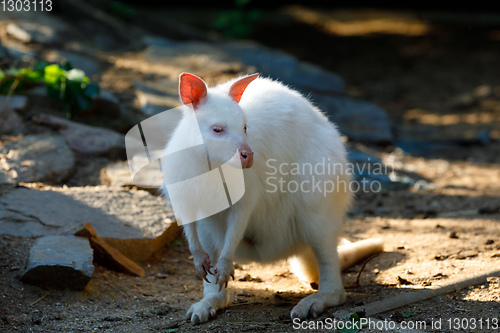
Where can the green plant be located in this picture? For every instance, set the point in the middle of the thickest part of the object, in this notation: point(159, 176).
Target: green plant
point(70, 85)
point(19, 79)
point(238, 22)
point(354, 321)
point(121, 11)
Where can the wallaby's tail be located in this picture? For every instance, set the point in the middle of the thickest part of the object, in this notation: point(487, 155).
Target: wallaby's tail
point(305, 266)
point(350, 254)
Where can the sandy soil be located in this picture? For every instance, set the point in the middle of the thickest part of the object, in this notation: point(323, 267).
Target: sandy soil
point(431, 236)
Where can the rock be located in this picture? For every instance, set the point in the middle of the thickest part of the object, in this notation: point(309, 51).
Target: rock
point(6, 179)
point(108, 256)
point(14, 102)
point(87, 139)
point(11, 122)
point(16, 224)
point(118, 174)
point(359, 120)
point(107, 96)
point(157, 97)
point(39, 27)
point(16, 50)
point(375, 174)
point(205, 59)
point(59, 262)
point(87, 64)
point(279, 65)
point(134, 222)
point(28, 32)
point(37, 158)
point(426, 148)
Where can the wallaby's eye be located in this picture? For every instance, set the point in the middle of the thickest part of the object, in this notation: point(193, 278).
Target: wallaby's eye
point(245, 128)
point(217, 129)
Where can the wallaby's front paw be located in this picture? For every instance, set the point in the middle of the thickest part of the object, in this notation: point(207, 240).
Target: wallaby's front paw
point(313, 305)
point(202, 264)
point(200, 312)
point(223, 271)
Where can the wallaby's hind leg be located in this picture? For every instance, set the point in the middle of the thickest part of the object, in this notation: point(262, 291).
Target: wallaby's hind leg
point(305, 266)
point(331, 290)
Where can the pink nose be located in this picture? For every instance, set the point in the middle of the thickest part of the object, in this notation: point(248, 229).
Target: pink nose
point(246, 157)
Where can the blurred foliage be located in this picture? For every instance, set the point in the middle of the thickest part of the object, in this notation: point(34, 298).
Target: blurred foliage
point(20, 79)
point(121, 11)
point(63, 82)
point(238, 22)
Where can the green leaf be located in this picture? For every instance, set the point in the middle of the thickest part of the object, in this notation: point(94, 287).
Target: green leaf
point(66, 66)
point(356, 326)
point(92, 90)
point(40, 66)
point(53, 75)
point(29, 75)
point(75, 96)
point(177, 243)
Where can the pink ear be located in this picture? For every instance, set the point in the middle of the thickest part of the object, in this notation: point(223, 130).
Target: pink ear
point(192, 89)
point(237, 89)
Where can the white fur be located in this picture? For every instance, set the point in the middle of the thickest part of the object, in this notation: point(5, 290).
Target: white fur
point(285, 127)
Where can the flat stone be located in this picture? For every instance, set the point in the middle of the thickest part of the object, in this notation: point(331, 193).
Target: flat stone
point(38, 27)
point(193, 56)
point(17, 50)
point(118, 174)
point(89, 65)
point(11, 122)
point(6, 179)
point(87, 139)
point(134, 222)
point(32, 32)
point(14, 102)
point(206, 59)
point(59, 262)
point(156, 97)
point(37, 158)
point(359, 120)
point(371, 171)
point(302, 75)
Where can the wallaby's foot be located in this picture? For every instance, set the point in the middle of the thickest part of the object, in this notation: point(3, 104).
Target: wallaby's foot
point(313, 305)
point(203, 310)
point(200, 312)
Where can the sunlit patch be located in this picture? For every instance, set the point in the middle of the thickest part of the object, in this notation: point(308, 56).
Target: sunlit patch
point(360, 22)
point(429, 118)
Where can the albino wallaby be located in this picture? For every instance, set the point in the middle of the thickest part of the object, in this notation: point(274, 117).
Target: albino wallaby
point(276, 132)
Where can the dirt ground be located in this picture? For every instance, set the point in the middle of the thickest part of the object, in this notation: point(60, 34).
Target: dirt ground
point(431, 235)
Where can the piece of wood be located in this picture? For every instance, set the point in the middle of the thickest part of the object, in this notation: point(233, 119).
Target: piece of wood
point(106, 255)
point(394, 302)
point(423, 294)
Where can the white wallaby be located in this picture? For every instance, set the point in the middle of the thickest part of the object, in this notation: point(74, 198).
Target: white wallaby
point(286, 210)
